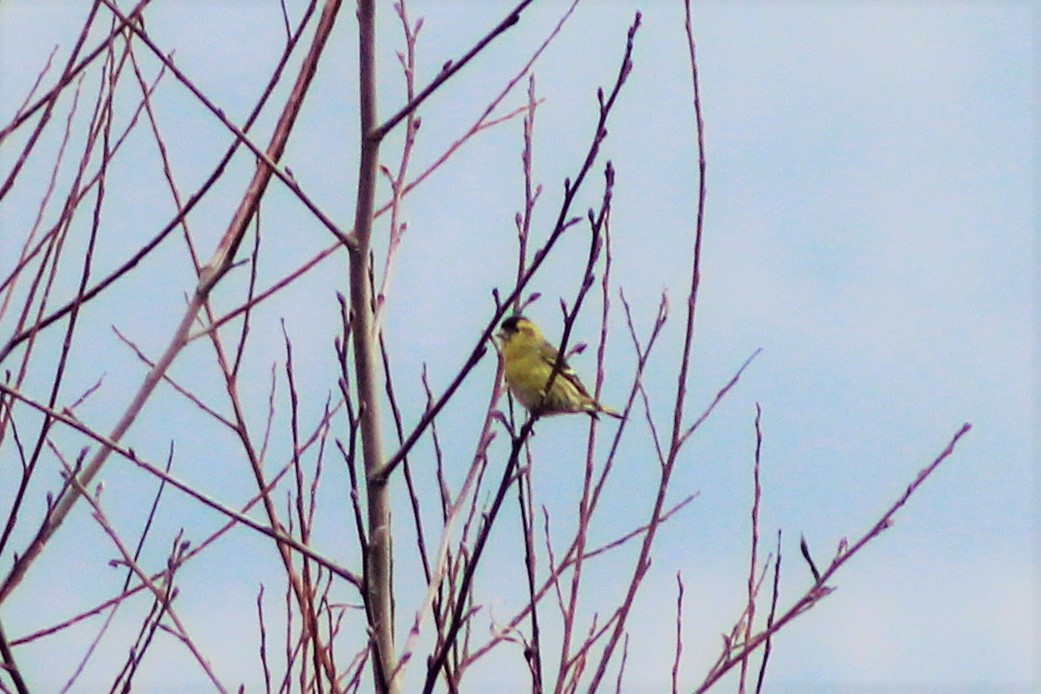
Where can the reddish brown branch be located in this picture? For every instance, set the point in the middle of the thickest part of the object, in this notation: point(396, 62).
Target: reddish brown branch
point(679, 634)
point(757, 493)
point(450, 68)
point(221, 262)
point(820, 589)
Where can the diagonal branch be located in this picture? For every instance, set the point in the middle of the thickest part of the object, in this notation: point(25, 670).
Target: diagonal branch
point(214, 270)
point(820, 589)
point(449, 69)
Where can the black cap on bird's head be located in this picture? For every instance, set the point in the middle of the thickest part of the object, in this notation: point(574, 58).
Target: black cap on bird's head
point(510, 324)
point(513, 325)
point(509, 327)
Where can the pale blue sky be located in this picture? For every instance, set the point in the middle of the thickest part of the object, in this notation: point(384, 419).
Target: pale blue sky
point(871, 224)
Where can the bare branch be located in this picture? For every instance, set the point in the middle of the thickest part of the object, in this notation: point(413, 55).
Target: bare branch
point(820, 589)
point(221, 262)
point(679, 634)
point(449, 69)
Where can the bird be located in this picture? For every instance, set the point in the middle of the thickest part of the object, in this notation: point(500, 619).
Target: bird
point(528, 362)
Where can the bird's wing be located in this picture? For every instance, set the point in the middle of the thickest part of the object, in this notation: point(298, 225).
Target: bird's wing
point(549, 355)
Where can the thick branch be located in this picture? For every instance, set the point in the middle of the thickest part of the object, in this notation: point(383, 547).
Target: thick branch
point(378, 577)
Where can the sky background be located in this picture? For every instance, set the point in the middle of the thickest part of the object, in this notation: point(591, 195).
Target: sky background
point(871, 224)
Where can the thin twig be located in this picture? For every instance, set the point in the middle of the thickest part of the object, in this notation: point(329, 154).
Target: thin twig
point(775, 594)
point(679, 634)
point(218, 266)
point(757, 492)
point(562, 224)
point(820, 589)
point(450, 68)
point(236, 516)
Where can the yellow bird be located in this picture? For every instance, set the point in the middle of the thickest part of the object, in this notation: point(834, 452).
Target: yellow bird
point(528, 361)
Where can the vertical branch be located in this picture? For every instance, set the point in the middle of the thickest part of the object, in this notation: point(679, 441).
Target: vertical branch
point(366, 358)
point(695, 278)
point(599, 227)
point(757, 493)
point(523, 220)
point(679, 634)
point(533, 652)
point(398, 181)
point(621, 668)
point(678, 437)
point(775, 593)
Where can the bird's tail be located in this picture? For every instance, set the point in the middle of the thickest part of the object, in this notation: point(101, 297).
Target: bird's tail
point(609, 411)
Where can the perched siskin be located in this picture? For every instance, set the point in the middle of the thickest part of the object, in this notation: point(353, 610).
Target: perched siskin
point(528, 362)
